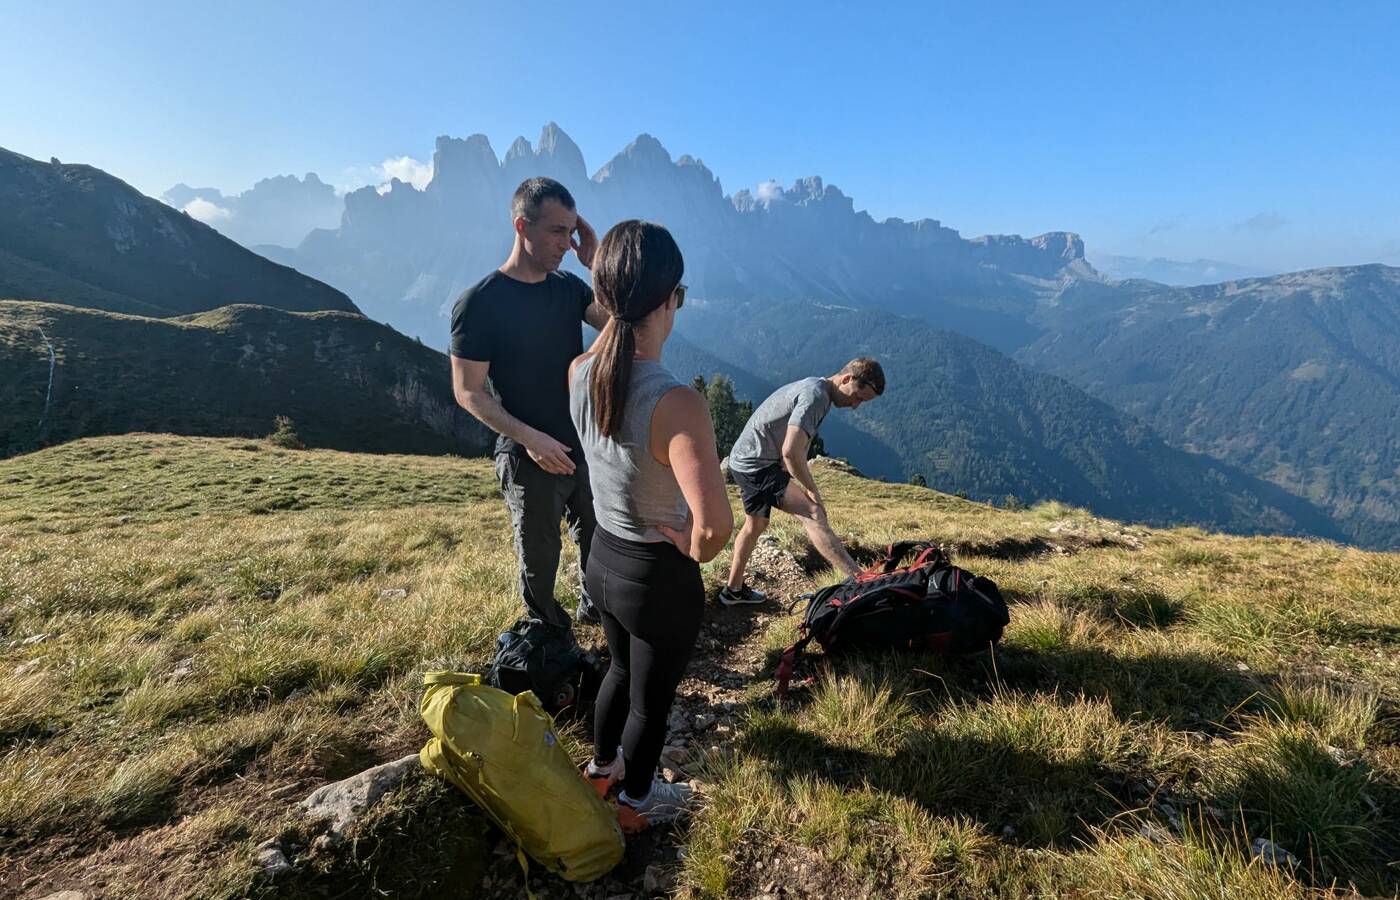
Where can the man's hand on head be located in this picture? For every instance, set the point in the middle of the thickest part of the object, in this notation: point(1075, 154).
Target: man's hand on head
point(586, 243)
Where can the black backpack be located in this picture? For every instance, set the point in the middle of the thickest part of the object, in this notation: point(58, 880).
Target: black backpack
point(535, 657)
point(929, 604)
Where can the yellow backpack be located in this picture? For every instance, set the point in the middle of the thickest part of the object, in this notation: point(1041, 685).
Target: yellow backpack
point(503, 752)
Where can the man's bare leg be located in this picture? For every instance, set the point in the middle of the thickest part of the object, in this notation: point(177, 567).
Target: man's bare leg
point(744, 542)
point(819, 531)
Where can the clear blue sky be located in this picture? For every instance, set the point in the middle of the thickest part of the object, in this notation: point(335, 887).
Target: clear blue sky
point(1259, 133)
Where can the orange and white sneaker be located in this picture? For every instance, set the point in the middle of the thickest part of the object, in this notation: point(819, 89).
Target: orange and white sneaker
point(604, 778)
point(664, 803)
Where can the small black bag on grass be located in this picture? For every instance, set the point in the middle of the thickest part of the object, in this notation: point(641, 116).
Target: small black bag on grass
point(929, 604)
point(533, 656)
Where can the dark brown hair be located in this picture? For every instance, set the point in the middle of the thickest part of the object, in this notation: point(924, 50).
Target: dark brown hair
point(867, 372)
point(637, 268)
point(525, 203)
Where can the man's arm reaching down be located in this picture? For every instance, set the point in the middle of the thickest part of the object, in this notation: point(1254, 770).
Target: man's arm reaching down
point(795, 461)
point(469, 387)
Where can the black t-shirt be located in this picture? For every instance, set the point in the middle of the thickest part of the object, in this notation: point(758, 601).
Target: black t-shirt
point(529, 333)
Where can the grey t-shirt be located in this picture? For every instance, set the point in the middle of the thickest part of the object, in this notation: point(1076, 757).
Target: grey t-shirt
point(803, 403)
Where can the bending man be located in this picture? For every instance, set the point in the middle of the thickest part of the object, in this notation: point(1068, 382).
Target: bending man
point(769, 464)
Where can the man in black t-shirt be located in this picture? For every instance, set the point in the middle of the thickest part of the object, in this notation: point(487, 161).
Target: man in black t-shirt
point(520, 326)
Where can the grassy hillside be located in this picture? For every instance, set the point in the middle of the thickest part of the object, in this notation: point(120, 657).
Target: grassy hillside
point(74, 234)
point(1293, 378)
point(182, 658)
point(348, 383)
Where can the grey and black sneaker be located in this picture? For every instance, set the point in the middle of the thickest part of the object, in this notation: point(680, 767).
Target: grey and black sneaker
point(663, 803)
point(744, 596)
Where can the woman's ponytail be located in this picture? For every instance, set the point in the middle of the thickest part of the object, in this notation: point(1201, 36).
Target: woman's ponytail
point(611, 374)
point(636, 269)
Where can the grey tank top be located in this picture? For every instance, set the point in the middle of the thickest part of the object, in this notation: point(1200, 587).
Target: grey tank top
point(632, 492)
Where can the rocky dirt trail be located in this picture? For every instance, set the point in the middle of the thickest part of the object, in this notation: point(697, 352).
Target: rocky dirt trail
point(706, 718)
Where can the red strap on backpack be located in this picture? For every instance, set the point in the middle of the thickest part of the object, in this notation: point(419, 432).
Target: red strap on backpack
point(784, 674)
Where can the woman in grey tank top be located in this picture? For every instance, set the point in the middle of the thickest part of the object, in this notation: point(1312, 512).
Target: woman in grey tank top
point(661, 509)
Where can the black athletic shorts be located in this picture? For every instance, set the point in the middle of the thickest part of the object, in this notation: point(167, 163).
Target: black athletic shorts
point(762, 491)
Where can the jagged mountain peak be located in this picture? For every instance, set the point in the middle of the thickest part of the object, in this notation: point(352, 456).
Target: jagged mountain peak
point(473, 151)
point(519, 149)
point(645, 152)
point(1065, 244)
point(554, 142)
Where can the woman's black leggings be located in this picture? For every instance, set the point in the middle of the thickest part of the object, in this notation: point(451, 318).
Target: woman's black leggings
point(651, 599)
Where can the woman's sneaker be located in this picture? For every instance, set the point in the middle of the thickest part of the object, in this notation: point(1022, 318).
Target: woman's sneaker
point(604, 778)
point(744, 596)
point(664, 803)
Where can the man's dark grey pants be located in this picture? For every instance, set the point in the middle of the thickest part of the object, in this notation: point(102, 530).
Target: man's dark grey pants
point(537, 500)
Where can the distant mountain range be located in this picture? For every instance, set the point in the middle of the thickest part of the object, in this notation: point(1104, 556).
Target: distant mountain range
point(1176, 272)
point(73, 233)
point(969, 419)
point(1293, 378)
point(1272, 399)
point(406, 254)
point(139, 333)
point(278, 210)
point(1142, 346)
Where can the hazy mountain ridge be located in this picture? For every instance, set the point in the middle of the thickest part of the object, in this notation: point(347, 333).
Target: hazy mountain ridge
point(278, 210)
point(1174, 272)
point(405, 254)
point(1294, 378)
point(349, 383)
point(75, 233)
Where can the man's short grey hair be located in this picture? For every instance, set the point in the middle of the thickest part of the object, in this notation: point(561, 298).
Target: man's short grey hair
point(533, 192)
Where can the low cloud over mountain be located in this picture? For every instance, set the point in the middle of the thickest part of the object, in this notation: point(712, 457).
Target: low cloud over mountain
point(1174, 272)
point(279, 210)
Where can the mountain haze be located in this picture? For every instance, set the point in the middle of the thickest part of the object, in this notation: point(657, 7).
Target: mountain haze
point(278, 210)
point(406, 254)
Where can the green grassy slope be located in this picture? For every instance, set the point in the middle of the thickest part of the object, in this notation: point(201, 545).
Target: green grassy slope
point(348, 383)
point(181, 659)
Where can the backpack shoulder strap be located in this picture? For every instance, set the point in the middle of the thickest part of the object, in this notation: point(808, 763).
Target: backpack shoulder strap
point(897, 552)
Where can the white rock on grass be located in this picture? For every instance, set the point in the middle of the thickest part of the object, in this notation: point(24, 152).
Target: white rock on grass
point(65, 895)
point(344, 802)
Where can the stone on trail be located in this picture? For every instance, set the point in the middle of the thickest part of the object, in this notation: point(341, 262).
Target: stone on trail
point(659, 879)
point(344, 802)
point(271, 859)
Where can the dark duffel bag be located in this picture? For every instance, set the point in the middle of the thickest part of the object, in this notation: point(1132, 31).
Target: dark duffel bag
point(532, 656)
point(926, 604)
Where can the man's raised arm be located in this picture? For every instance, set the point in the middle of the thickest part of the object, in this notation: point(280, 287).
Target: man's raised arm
point(469, 387)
